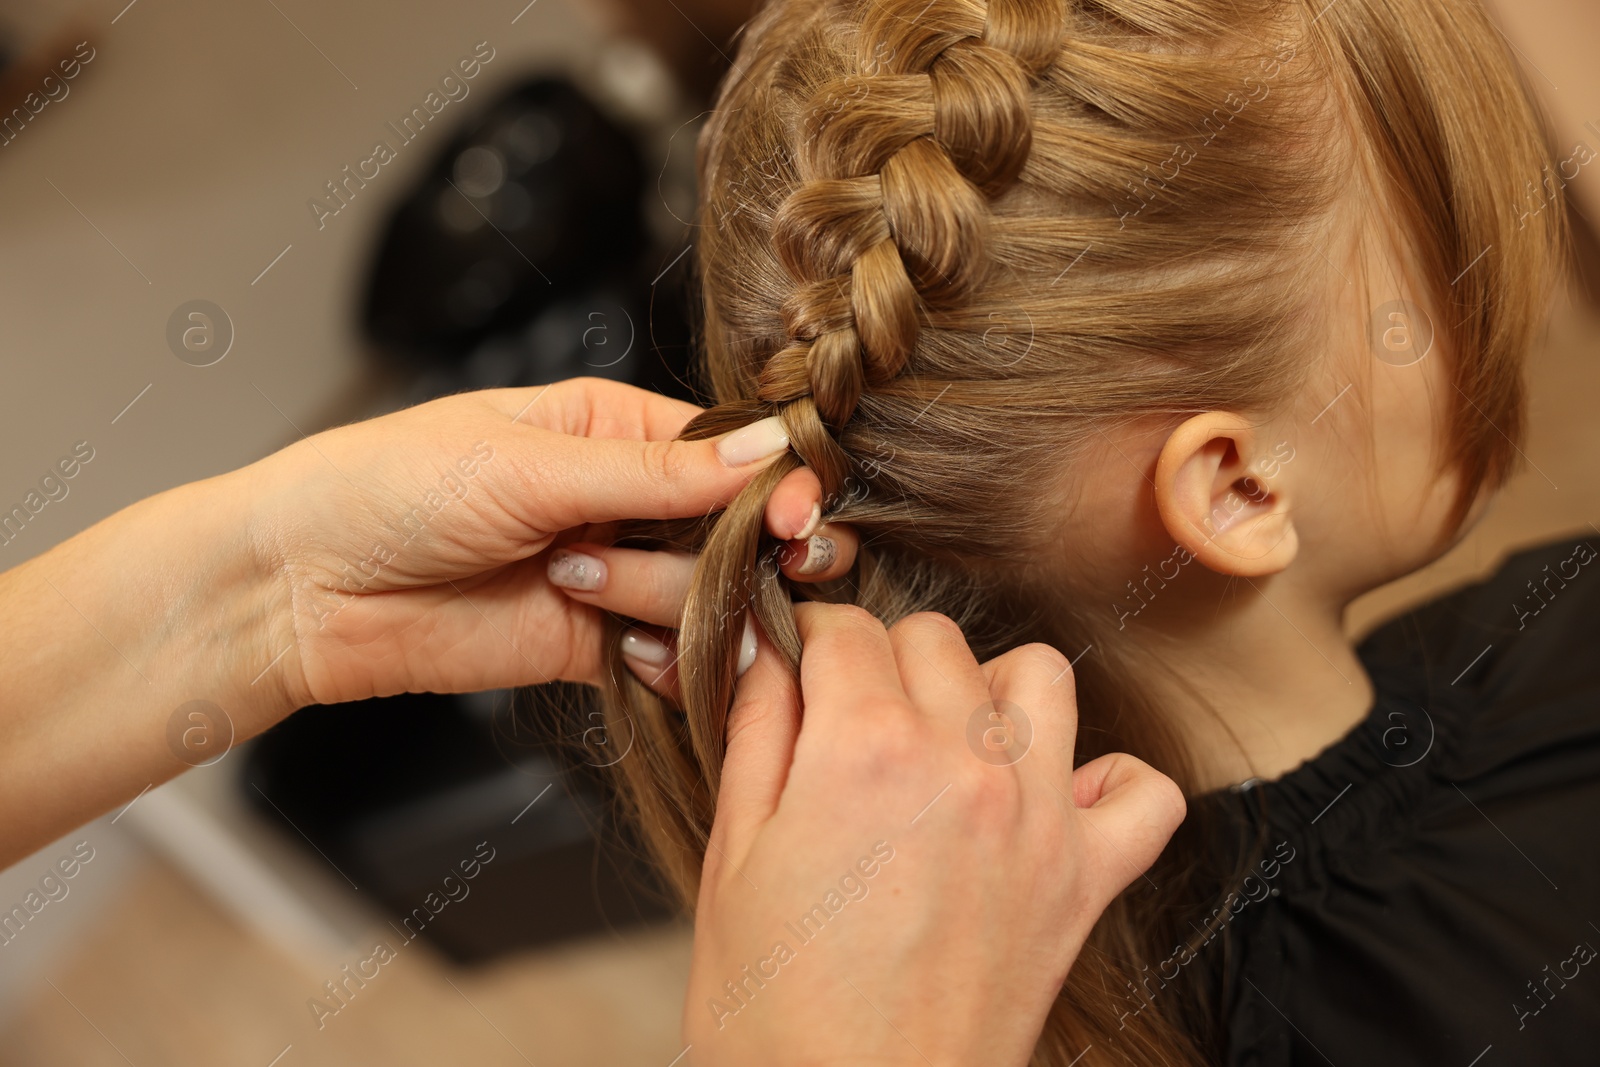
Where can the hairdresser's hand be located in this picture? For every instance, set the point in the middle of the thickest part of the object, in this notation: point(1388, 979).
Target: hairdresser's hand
point(652, 586)
point(874, 892)
point(412, 548)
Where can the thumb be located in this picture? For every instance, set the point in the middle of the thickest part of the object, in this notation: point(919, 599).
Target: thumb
point(762, 728)
point(569, 480)
point(1132, 810)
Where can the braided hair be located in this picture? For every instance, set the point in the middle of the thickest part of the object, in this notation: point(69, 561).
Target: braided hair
point(950, 242)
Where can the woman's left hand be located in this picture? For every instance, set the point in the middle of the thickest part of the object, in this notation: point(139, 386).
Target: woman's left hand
point(415, 550)
point(407, 553)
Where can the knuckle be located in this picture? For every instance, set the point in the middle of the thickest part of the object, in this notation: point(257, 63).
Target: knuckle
point(842, 617)
point(887, 750)
point(1043, 659)
point(743, 715)
point(664, 461)
point(1160, 796)
point(561, 391)
point(579, 394)
point(854, 614)
point(561, 406)
point(655, 594)
point(1166, 797)
point(931, 625)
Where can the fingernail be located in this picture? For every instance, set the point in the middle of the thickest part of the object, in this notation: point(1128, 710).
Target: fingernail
point(811, 524)
point(644, 648)
point(747, 645)
point(820, 554)
point(756, 441)
point(574, 570)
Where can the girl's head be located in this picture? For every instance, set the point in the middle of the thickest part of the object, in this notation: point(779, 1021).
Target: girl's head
point(1081, 310)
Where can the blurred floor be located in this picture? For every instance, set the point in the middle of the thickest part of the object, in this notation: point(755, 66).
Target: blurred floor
point(167, 979)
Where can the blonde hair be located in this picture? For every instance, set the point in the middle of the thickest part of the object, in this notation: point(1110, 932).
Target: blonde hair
point(948, 242)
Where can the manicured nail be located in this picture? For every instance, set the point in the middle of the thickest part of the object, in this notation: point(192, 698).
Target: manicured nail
point(759, 440)
point(747, 645)
point(644, 648)
point(574, 570)
point(820, 554)
point(811, 524)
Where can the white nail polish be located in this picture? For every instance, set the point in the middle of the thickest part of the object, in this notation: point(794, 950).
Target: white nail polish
point(759, 440)
point(811, 524)
point(644, 648)
point(747, 644)
point(820, 554)
point(574, 570)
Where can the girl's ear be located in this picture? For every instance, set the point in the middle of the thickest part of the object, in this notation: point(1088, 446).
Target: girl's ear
point(1222, 494)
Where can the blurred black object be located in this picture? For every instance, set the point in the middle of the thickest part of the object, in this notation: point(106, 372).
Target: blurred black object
point(524, 257)
point(538, 198)
point(397, 792)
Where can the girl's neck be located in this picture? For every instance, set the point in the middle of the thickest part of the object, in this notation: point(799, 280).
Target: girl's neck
point(1277, 679)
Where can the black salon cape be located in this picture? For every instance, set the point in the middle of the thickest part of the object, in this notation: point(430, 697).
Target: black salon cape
point(1443, 901)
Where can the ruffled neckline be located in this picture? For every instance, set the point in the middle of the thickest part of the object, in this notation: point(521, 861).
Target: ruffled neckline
point(1365, 785)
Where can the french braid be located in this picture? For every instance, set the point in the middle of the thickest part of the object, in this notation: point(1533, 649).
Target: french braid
point(897, 161)
point(890, 216)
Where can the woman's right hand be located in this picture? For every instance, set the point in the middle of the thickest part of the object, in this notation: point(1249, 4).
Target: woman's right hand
point(889, 882)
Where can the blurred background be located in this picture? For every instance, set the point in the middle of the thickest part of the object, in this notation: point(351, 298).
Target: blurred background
point(207, 255)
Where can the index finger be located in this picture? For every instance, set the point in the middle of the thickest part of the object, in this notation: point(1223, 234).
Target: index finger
point(762, 726)
point(846, 664)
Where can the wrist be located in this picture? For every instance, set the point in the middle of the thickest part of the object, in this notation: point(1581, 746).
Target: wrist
point(252, 569)
point(226, 629)
point(113, 635)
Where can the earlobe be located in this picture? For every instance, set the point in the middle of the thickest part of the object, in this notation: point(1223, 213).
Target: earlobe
point(1222, 494)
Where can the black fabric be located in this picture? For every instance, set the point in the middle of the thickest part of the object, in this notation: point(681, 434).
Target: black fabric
point(1442, 901)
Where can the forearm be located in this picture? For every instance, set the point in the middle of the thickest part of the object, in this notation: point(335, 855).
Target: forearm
point(104, 638)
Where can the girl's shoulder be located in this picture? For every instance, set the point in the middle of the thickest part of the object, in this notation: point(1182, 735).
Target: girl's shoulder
point(1532, 623)
point(1483, 678)
point(1506, 672)
point(1440, 859)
